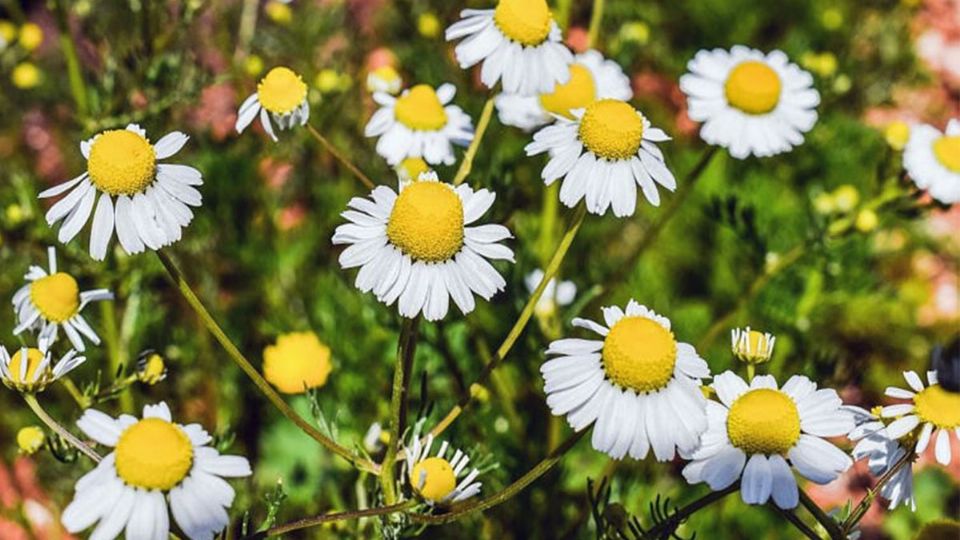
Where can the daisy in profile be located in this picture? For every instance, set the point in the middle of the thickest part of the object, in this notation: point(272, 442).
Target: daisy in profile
point(591, 78)
point(639, 384)
point(51, 300)
point(415, 247)
point(750, 102)
point(518, 43)
point(932, 159)
point(282, 96)
point(297, 362)
point(441, 479)
point(602, 155)
point(882, 453)
point(757, 432)
point(147, 203)
point(933, 407)
point(421, 122)
point(155, 462)
point(31, 370)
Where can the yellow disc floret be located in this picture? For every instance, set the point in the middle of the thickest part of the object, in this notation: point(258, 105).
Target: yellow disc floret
point(763, 421)
point(34, 357)
point(611, 129)
point(938, 406)
point(525, 21)
point(433, 479)
point(30, 439)
point(753, 87)
point(299, 361)
point(947, 150)
point(580, 91)
point(281, 91)
point(154, 454)
point(639, 354)
point(56, 297)
point(427, 222)
point(420, 109)
point(121, 162)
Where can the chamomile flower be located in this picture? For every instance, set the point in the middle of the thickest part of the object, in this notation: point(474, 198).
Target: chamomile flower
point(31, 370)
point(147, 203)
point(410, 169)
point(754, 430)
point(421, 122)
point(441, 479)
point(933, 407)
point(591, 78)
point(282, 96)
point(639, 384)
point(932, 159)
point(415, 247)
point(882, 453)
point(154, 461)
point(384, 79)
point(750, 102)
point(752, 346)
point(297, 362)
point(51, 300)
point(602, 154)
point(518, 43)
point(554, 295)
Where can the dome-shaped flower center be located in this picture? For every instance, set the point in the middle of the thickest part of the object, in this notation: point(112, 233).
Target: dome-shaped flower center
point(154, 454)
point(420, 109)
point(947, 150)
point(56, 296)
point(753, 87)
point(611, 129)
point(34, 357)
point(281, 91)
point(579, 92)
point(433, 479)
point(639, 354)
point(763, 421)
point(297, 362)
point(427, 222)
point(938, 406)
point(121, 162)
point(525, 21)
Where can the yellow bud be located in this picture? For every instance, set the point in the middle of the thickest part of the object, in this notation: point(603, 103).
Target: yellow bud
point(846, 198)
point(8, 31)
point(151, 368)
point(824, 204)
point(15, 214)
point(832, 18)
point(897, 134)
point(25, 76)
point(635, 32)
point(31, 36)
point(479, 393)
point(278, 12)
point(253, 65)
point(328, 80)
point(866, 221)
point(30, 439)
point(428, 25)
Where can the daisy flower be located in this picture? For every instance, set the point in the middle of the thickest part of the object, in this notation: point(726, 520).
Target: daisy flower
point(756, 429)
point(932, 159)
point(416, 247)
point(384, 79)
point(148, 203)
point(440, 479)
point(882, 453)
point(750, 102)
point(154, 461)
point(410, 169)
point(934, 407)
point(553, 295)
point(640, 385)
point(519, 44)
point(51, 300)
point(297, 362)
point(602, 154)
point(419, 123)
point(31, 370)
point(752, 346)
point(282, 96)
point(591, 78)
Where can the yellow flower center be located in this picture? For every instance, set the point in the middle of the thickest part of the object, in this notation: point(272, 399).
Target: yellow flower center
point(525, 21)
point(297, 362)
point(755, 349)
point(947, 150)
point(387, 74)
point(938, 406)
point(34, 357)
point(56, 296)
point(579, 92)
point(763, 421)
point(281, 91)
point(152, 370)
point(411, 168)
point(753, 87)
point(427, 222)
point(611, 129)
point(437, 477)
point(30, 439)
point(639, 354)
point(121, 162)
point(420, 109)
point(154, 454)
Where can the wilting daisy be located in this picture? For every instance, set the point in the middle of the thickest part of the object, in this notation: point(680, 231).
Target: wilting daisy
point(640, 385)
point(602, 154)
point(750, 102)
point(51, 300)
point(933, 406)
point(519, 44)
point(756, 429)
point(148, 203)
point(384, 79)
point(282, 96)
point(154, 461)
point(415, 247)
point(419, 123)
point(31, 370)
point(591, 78)
point(882, 453)
point(932, 159)
point(440, 479)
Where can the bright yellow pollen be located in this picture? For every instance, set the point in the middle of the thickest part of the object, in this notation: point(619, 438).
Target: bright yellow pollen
point(639, 354)
point(611, 129)
point(763, 421)
point(947, 150)
point(420, 109)
point(438, 480)
point(427, 222)
point(121, 162)
point(753, 87)
point(579, 92)
point(56, 296)
point(153, 454)
point(297, 362)
point(525, 21)
point(281, 91)
point(938, 406)
point(34, 357)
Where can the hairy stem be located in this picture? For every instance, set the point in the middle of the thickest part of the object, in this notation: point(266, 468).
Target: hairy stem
point(37, 409)
point(364, 179)
point(467, 164)
point(406, 349)
point(306, 523)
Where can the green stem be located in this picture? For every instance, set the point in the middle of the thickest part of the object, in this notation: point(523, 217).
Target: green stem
point(306, 523)
point(77, 87)
point(406, 349)
point(364, 179)
point(831, 526)
point(790, 516)
point(596, 17)
point(37, 409)
point(751, 371)
point(857, 514)
point(74, 392)
point(467, 164)
point(660, 530)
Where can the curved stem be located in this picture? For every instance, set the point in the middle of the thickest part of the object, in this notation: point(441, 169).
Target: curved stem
point(831, 526)
point(364, 179)
point(680, 515)
point(790, 516)
point(857, 514)
point(406, 349)
point(467, 164)
point(37, 409)
point(306, 523)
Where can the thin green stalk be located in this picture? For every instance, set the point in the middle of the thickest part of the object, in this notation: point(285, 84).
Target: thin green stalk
point(831, 526)
point(77, 87)
point(306, 523)
point(467, 164)
point(115, 354)
point(37, 409)
point(406, 349)
point(74, 392)
point(857, 514)
point(596, 17)
point(248, 26)
point(562, 13)
point(364, 179)
point(659, 530)
point(791, 516)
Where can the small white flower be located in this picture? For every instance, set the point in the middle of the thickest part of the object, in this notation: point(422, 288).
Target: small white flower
point(31, 370)
point(752, 346)
point(934, 407)
point(882, 453)
point(384, 79)
point(282, 96)
point(437, 479)
point(553, 295)
point(932, 159)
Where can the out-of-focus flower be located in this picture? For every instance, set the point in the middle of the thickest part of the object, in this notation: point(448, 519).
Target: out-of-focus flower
point(752, 346)
point(823, 203)
point(30, 439)
point(866, 221)
point(14, 214)
point(932, 407)
point(578, 39)
point(373, 440)
point(380, 57)
point(846, 198)
point(410, 169)
point(31, 36)
point(831, 18)
point(275, 173)
point(384, 79)
point(278, 12)
point(823, 64)
point(882, 453)
point(151, 368)
point(932, 159)
point(292, 216)
point(329, 81)
point(31, 370)
point(282, 96)
point(216, 111)
point(553, 295)
point(635, 32)
point(897, 134)
point(253, 65)
point(437, 479)
point(428, 24)
point(297, 362)
point(26, 75)
point(8, 32)
point(479, 393)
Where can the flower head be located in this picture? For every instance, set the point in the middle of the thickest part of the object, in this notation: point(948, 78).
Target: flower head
point(932, 159)
point(441, 479)
point(882, 454)
point(752, 346)
point(30, 439)
point(151, 368)
point(934, 408)
point(282, 96)
point(297, 362)
point(384, 79)
point(30, 370)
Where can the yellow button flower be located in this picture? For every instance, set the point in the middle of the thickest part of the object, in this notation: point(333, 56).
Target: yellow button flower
point(297, 362)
